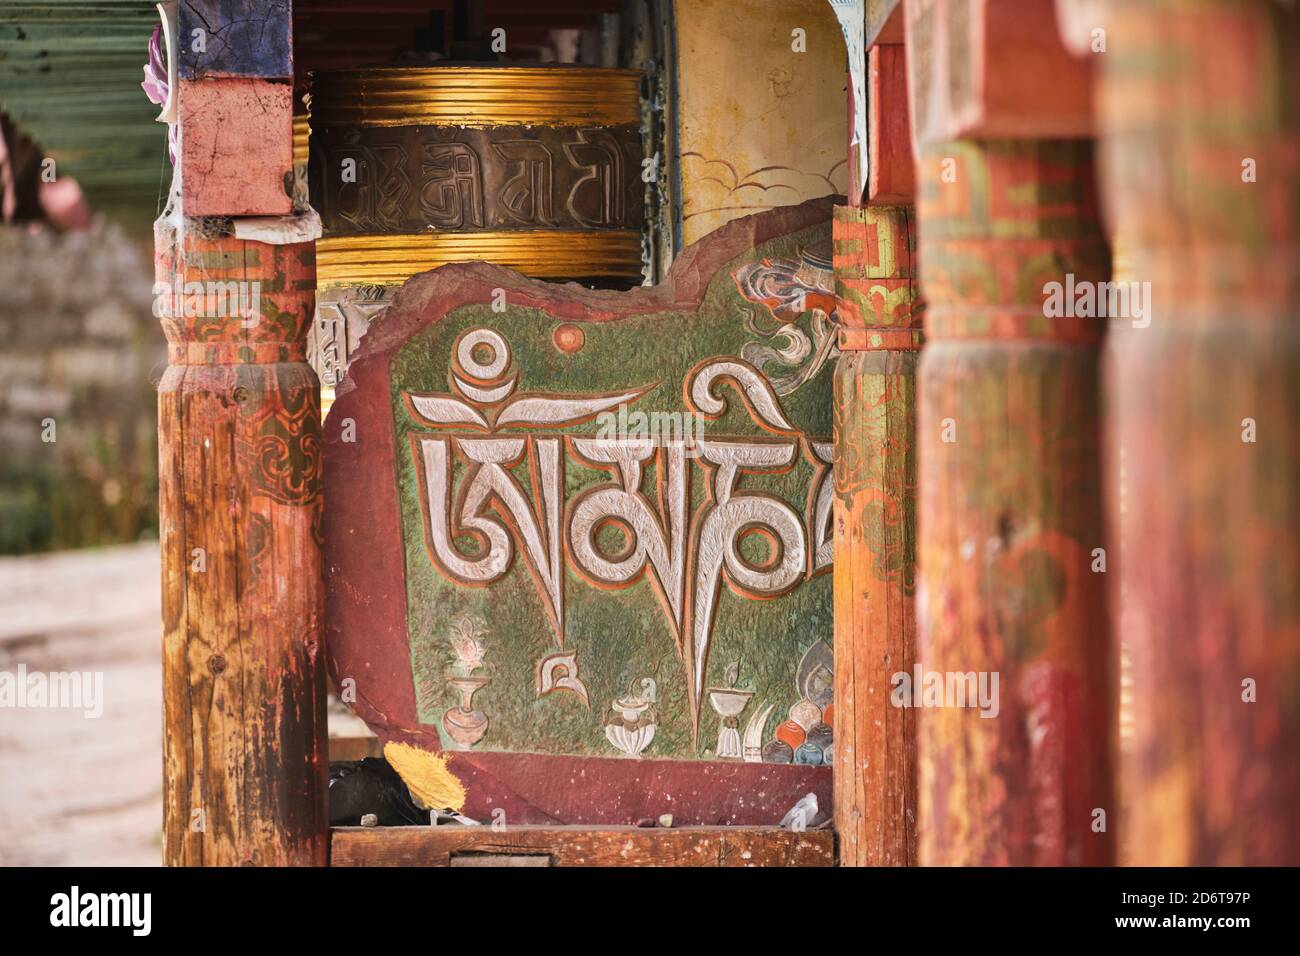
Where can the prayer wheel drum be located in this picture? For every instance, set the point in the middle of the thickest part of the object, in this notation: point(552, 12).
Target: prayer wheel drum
point(537, 168)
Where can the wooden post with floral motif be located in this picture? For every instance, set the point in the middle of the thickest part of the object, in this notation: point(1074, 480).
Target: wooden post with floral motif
point(239, 475)
point(1202, 135)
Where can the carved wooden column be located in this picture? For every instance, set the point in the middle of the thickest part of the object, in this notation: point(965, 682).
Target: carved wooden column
point(1202, 132)
point(875, 533)
point(245, 761)
point(875, 479)
point(1009, 476)
point(239, 488)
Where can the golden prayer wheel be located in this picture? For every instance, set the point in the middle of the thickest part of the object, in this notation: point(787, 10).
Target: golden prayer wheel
point(301, 134)
point(537, 168)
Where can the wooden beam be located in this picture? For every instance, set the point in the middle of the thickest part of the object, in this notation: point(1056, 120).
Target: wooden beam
point(580, 846)
point(235, 103)
point(985, 69)
point(888, 133)
point(883, 22)
point(1009, 442)
point(892, 170)
point(236, 147)
point(1202, 140)
point(235, 38)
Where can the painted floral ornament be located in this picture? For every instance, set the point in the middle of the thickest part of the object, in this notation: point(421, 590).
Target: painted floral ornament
point(466, 675)
point(467, 644)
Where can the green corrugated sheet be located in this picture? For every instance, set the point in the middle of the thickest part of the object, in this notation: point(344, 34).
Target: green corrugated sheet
point(70, 76)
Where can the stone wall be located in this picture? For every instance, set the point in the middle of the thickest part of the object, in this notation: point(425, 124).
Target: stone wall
point(81, 350)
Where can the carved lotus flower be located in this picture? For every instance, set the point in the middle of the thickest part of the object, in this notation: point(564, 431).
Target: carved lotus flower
point(467, 642)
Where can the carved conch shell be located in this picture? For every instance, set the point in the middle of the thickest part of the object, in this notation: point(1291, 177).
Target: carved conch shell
point(633, 705)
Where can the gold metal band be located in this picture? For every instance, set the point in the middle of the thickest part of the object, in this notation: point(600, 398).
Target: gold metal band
point(301, 135)
point(544, 254)
point(476, 96)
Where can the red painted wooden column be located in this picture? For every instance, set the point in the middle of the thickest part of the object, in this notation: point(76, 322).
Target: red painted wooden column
point(239, 486)
point(245, 759)
point(875, 533)
point(1201, 113)
point(879, 314)
point(1009, 471)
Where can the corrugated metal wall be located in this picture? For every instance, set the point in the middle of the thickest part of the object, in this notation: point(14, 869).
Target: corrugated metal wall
point(70, 76)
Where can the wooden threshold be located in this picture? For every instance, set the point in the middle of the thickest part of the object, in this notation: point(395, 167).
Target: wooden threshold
point(580, 846)
point(355, 748)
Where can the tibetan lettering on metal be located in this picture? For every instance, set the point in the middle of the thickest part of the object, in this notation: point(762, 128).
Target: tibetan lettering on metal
point(538, 168)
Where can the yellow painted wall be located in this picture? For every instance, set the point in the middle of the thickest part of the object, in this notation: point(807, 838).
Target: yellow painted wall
point(759, 124)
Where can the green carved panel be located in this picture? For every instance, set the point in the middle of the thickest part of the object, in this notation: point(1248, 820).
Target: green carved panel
point(528, 635)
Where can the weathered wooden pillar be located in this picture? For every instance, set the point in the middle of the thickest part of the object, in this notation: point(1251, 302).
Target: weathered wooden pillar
point(245, 762)
point(1012, 678)
point(239, 480)
point(875, 533)
point(1200, 111)
point(875, 479)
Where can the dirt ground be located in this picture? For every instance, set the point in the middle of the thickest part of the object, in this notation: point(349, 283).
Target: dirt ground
point(79, 791)
point(76, 790)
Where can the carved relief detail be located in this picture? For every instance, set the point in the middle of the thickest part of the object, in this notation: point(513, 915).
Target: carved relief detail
point(451, 195)
point(527, 196)
point(598, 152)
point(342, 318)
point(412, 179)
point(685, 557)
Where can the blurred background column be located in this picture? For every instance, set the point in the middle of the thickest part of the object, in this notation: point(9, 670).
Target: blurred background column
point(1200, 109)
point(1010, 508)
